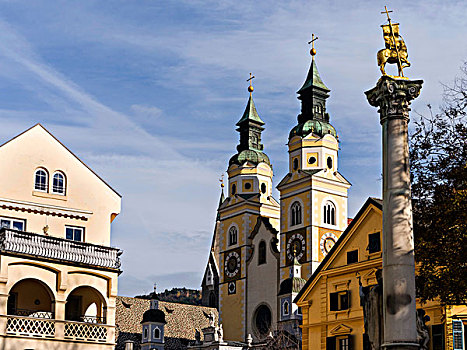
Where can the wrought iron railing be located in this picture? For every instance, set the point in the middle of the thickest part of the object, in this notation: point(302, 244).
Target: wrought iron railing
point(32, 313)
point(85, 318)
point(49, 247)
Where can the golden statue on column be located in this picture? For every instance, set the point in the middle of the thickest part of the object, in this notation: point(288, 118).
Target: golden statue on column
point(396, 50)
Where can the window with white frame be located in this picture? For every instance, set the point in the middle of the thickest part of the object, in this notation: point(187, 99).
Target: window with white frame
point(74, 233)
point(457, 335)
point(58, 183)
point(344, 343)
point(41, 180)
point(209, 279)
point(14, 224)
point(296, 214)
point(232, 235)
point(157, 333)
point(285, 308)
point(329, 213)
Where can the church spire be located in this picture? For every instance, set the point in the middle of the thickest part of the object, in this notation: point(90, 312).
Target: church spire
point(250, 127)
point(313, 95)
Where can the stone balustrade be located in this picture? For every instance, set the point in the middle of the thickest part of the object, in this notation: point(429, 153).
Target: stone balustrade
point(54, 248)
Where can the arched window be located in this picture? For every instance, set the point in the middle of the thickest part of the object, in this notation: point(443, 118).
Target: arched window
point(145, 332)
point(262, 253)
point(285, 308)
point(329, 213)
point(58, 183)
point(233, 235)
point(295, 164)
point(41, 180)
point(296, 214)
point(157, 333)
point(212, 300)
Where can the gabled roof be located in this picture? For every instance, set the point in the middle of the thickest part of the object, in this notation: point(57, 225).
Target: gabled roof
point(57, 140)
point(378, 203)
point(287, 177)
point(267, 224)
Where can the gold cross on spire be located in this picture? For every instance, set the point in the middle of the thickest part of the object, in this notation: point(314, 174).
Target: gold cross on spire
point(250, 88)
point(312, 42)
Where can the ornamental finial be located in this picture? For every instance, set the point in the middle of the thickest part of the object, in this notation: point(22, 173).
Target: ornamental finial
point(312, 42)
point(250, 88)
point(396, 50)
point(221, 180)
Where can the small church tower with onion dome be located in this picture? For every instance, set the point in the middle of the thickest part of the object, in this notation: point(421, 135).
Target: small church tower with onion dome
point(290, 315)
point(248, 236)
point(313, 195)
point(153, 326)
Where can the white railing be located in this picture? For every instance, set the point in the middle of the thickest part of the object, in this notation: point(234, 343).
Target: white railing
point(30, 327)
point(59, 248)
point(85, 331)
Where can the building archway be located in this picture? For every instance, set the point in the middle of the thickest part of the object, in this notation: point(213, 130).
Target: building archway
point(86, 304)
point(31, 297)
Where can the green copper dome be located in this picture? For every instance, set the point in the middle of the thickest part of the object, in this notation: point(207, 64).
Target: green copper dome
point(250, 155)
point(318, 127)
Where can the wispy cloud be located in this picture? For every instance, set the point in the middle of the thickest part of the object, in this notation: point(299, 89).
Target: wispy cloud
point(148, 96)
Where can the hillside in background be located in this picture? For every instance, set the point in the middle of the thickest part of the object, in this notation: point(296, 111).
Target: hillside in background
point(177, 295)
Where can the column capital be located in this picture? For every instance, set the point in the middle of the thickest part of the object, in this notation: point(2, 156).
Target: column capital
point(393, 97)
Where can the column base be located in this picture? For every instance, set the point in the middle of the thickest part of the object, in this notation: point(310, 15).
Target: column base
point(400, 346)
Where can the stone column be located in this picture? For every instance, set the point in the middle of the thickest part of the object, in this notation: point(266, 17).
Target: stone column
point(393, 97)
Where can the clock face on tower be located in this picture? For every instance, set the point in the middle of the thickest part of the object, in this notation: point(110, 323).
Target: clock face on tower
point(232, 264)
point(327, 241)
point(296, 242)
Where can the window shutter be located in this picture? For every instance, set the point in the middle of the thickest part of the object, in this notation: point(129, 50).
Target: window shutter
point(437, 336)
point(333, 301)
point(331, 343)
point(457, 335)
point(350, 338)
point(348, 299)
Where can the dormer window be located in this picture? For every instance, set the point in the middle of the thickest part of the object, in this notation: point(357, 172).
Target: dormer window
point(58, 183)
point(41, 180)
point(233, 235)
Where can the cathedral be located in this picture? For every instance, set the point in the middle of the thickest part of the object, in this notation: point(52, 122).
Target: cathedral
point(263, 250)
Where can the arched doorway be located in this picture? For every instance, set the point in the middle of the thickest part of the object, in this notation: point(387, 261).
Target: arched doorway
point(31, 298)
point(85, 304)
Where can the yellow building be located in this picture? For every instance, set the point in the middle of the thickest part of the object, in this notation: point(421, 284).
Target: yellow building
point(58, 274)
point(262, 250)
point(246, 235)
point(330, 301)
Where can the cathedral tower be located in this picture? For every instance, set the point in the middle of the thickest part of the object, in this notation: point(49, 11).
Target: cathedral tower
point(313, 194)
point(248, 237)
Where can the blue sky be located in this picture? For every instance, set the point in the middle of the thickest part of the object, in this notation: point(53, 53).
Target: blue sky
point(147, 93)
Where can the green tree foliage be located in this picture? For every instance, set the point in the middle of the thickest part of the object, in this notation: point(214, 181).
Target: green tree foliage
point(438, 154)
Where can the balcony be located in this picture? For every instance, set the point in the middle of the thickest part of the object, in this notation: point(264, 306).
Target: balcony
point(33, 315)
point(54, 248)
